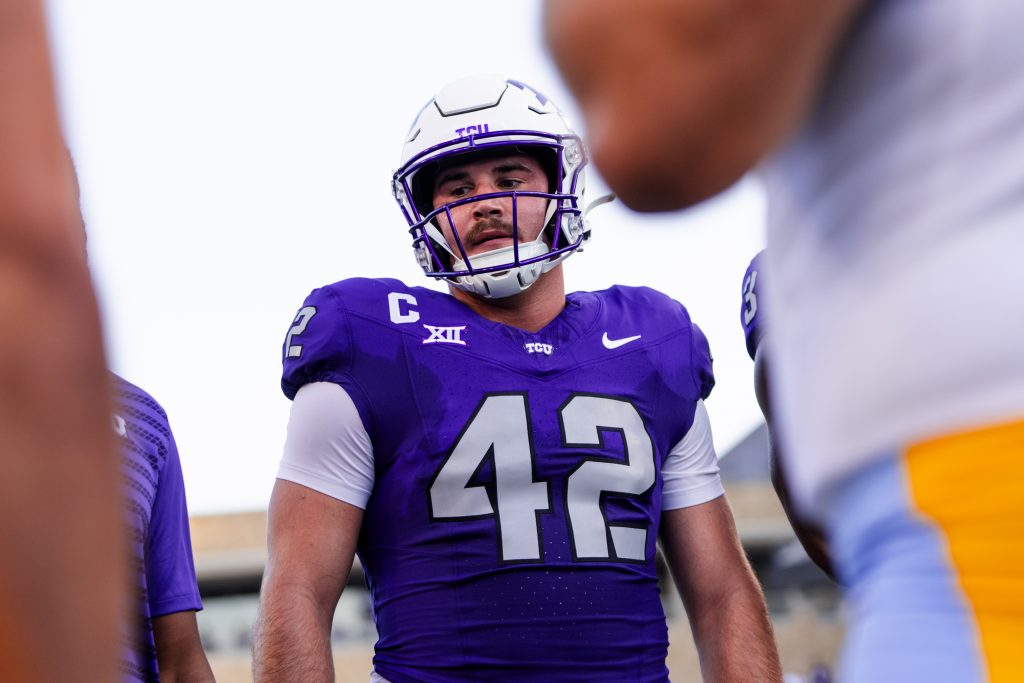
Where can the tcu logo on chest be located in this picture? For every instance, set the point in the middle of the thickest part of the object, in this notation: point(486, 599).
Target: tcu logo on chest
point(537, 347)
point(402, 311)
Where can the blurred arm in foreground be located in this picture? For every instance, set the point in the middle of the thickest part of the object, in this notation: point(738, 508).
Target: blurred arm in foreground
point(682, 98)
point(62, 572)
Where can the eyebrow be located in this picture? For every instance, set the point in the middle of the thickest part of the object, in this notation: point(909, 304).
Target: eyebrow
point(501, 169)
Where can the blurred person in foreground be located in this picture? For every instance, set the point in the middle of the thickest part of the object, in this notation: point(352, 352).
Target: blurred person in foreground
point(890, 136)
point(503, 456)
point(62, 567)
point(62, 498)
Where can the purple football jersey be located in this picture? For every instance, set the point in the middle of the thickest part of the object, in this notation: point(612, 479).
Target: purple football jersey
point(751, 314)
point(164, 577)
point(511, 531)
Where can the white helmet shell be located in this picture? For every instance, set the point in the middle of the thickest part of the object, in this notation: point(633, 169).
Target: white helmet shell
point(481, 115)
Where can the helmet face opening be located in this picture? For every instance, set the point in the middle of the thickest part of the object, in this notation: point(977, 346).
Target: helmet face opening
point(423, 177)
point(453, 260)
point(511, 119)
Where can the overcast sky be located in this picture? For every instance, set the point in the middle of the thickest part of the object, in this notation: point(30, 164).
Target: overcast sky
point(235, 155)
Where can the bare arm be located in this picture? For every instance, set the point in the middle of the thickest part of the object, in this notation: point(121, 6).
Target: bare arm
point(682, 97)
point(810, 536)
point(60, 599)
point(311, 540)
point(722, 598)
point(179, 651)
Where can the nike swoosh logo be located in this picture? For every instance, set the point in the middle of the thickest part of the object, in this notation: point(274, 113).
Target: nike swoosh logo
point(616, 343)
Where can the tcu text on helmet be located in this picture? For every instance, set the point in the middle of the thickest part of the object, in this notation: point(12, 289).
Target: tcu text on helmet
point(473, 130)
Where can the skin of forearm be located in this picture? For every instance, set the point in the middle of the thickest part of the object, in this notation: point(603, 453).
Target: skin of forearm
point(292, 639)
point(734, 638)
point(723, 601)
point(55, 431)
point(55, 436)
point(194, 672)
point(38, 202)
point(811, 537)
point(55, 408)
point(179, 649)
point(188, 664)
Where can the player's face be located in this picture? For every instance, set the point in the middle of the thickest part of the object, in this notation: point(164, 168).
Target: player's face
point(487, 224)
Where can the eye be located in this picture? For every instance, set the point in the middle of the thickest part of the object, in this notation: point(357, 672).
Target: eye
point(509, 183)
point(459, 191)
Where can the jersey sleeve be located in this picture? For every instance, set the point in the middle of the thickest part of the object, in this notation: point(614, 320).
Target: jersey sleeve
point(690, 473)
point(751, 316)
point(701, 362)
point(327, 449)
point(170, 570)
point(318, 345)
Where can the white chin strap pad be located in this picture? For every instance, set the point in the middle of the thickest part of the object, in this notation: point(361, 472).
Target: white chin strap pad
point(503, 283)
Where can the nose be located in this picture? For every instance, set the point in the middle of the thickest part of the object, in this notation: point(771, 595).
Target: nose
point(490, 207)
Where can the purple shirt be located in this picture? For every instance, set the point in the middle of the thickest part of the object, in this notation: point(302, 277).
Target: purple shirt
point(512, 527)
point(161, 549)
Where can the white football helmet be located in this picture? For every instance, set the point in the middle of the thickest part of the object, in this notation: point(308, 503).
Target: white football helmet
point(480, 115)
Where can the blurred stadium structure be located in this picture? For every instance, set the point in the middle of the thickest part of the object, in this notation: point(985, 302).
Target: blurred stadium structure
point(806, 610)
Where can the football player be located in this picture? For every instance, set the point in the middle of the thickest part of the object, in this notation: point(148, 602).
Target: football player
point(62, 569)
point(161, 637)
point(504, 457)
point(891, 135)
point(752, 318)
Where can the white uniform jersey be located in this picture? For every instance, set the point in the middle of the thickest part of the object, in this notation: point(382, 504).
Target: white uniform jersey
point(896, 234)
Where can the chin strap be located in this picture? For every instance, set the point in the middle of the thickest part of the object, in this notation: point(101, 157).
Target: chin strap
point(503, 283)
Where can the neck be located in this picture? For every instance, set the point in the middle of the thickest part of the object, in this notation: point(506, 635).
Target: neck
point(531, 310)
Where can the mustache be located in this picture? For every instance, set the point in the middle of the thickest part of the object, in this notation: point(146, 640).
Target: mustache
point(487, 225)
